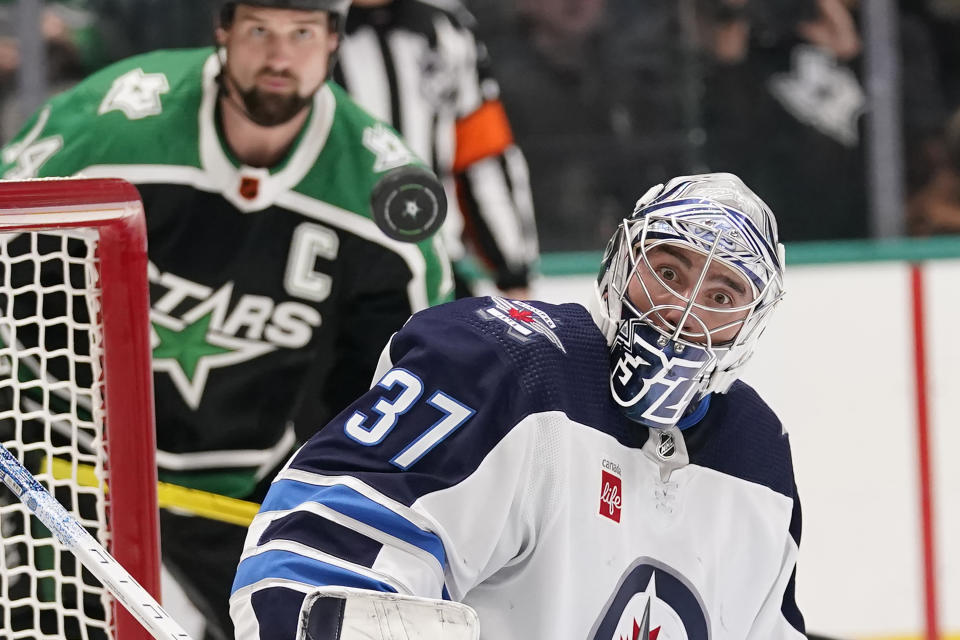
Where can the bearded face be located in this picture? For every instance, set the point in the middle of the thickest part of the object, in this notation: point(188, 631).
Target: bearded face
point(276, 60)
point(270, 108)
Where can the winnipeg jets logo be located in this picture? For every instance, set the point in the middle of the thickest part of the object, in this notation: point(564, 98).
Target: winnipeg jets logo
point(389, 149)
point(652, 602)
point(136, 94)
point(821, 93)
point(524, 320)
point(641, 630)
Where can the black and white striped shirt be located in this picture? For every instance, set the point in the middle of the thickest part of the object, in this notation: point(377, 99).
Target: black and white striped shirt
point(418, 65)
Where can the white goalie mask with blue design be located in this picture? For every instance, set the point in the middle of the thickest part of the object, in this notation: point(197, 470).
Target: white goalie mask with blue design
point(686, 287)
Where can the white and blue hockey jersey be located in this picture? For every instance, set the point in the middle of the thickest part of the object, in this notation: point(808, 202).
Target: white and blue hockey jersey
point(489, 465)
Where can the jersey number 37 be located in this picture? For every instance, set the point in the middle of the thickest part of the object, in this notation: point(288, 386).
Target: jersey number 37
point(453, 415)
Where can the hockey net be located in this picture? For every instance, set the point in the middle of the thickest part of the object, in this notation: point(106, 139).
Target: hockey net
point(76, 403)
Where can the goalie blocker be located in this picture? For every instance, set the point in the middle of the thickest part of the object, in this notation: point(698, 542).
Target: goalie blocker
point(343, 613)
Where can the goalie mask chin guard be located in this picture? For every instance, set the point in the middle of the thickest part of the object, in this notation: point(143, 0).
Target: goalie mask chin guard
point(666, 356)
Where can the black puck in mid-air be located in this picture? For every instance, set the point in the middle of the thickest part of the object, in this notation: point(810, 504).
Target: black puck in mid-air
point(408, 204)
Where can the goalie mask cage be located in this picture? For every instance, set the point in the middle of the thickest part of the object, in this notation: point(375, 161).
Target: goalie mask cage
point(76, 400)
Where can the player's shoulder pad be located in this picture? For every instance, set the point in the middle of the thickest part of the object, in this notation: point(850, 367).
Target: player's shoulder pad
point(362, 149)
point(136, 86)
point(540, 354)
point(377, 140)
point(130, 112)
point(743, 437)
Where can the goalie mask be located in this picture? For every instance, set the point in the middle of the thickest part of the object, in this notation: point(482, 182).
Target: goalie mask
point(686, 287)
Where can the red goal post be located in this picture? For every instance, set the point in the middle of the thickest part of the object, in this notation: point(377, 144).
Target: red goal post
point(78, 395)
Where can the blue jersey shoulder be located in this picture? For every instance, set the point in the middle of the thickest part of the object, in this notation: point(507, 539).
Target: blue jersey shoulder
point(464, 375)
point(742, 436)
point(545, 357)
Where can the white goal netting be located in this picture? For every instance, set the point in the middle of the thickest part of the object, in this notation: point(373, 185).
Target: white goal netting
point(52, 420)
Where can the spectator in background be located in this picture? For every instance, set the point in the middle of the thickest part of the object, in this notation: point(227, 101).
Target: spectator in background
point(935, 209)
point(784, 106)
point(595, 90)
point(943, 19)
point(129, 27)
point(784, 112)
point(419, 66)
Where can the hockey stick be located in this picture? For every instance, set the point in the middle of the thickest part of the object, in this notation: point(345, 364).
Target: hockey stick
point(88, 551)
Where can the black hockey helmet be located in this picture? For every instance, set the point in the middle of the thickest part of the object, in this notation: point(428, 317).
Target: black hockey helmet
point(336, 8)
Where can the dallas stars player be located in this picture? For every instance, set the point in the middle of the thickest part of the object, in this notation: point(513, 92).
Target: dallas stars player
point(272, 290)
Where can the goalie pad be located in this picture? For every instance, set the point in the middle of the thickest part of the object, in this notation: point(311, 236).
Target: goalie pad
point(343, 613)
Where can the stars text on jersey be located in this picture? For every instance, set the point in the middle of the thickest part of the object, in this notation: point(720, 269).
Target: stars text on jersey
point(196, 329)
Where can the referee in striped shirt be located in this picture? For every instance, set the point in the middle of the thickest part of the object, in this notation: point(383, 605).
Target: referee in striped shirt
point(418, 65)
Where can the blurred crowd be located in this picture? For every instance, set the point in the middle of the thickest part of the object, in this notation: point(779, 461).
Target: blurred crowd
point(606, 95)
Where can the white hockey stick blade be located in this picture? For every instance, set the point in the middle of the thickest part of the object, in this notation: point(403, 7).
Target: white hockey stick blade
point(88, 551)
point(344, 613)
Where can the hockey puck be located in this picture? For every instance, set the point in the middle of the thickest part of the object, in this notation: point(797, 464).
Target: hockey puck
point(408, 204)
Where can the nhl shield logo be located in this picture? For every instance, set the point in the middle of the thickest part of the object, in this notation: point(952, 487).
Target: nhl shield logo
point(249, 187)
point(666, 447)
point(652, 602)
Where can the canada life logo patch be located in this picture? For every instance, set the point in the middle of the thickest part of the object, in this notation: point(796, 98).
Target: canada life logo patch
point(652, 602)
point(611, 495)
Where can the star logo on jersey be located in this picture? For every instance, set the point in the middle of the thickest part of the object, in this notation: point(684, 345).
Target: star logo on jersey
point(652, 602)
point(187, 351)
point(136, 94)
point(389, 149)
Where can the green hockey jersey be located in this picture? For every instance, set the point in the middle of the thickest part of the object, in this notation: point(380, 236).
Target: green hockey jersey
point(272, 290)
